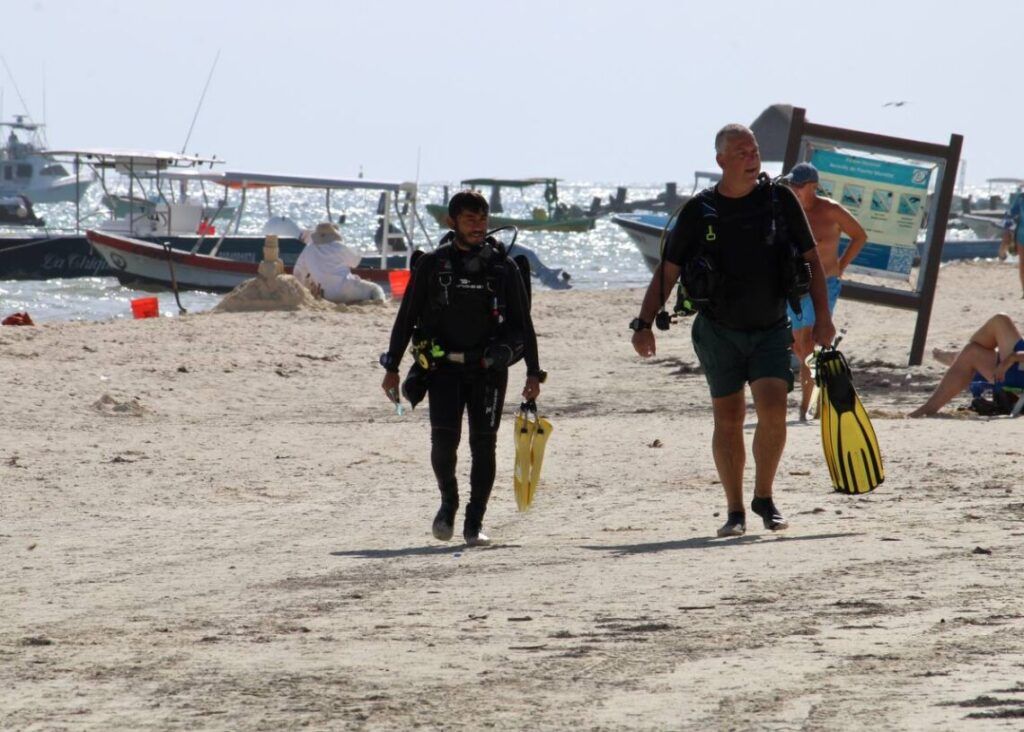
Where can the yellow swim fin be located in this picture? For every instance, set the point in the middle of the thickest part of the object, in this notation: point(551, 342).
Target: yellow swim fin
point(540, 441)
point(847, 436)
point(524, 431)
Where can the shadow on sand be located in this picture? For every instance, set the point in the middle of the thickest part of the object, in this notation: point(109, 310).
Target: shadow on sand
point(708, 542)
point(418, 551)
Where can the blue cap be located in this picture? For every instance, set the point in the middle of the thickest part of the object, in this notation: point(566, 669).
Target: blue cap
point(802, 173)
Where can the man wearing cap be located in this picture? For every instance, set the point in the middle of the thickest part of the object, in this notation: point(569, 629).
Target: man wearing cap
point(737, 246)
point(828, 221)
point(325, 267)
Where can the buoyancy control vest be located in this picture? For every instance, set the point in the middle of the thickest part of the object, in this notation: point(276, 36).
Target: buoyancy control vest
point(702, 272)
point(467, 302)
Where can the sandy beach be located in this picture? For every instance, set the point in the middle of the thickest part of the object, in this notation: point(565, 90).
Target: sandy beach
point(217, 522)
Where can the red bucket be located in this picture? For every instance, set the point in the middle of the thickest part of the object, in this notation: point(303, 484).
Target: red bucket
point(399, 280)
point(146, 307)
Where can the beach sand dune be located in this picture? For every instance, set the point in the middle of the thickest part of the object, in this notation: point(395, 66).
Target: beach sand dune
point(218, 522)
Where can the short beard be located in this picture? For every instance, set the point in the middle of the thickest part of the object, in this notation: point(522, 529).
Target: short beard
point(460, 239)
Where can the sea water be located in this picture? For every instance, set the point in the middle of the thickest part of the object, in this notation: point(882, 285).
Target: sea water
point(602, 258)
point(598, 259)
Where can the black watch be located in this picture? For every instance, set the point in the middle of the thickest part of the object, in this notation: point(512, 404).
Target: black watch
point(636, 325)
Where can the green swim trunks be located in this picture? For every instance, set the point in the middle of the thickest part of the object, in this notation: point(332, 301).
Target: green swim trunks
point(731, 358)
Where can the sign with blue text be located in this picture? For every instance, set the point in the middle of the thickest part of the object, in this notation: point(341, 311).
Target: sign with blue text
point(887, 198)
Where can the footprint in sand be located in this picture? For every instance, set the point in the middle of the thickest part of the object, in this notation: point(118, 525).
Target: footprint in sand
point(113, 407)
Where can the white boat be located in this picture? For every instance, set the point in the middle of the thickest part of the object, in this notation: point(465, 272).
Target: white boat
point(985, 224)
point(645, 230)
point(159, 212)
point(151, 263)
point(28, 169)
point(135, 260)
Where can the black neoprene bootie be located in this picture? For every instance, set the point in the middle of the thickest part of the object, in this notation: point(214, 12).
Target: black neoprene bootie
point(735, 524)
point(772, 517)
point(444, 521)
point(471, 528)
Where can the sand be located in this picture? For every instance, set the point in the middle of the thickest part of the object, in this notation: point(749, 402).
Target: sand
point(218, 522)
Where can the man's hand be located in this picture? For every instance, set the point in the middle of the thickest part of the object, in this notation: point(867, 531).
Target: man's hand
point(643, 342)
point(532, 389)
point(823, 332)
point(390, 384)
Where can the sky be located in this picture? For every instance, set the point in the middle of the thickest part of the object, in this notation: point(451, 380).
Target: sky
point(586, 90)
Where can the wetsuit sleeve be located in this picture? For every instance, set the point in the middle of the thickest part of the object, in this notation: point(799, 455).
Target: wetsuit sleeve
point(679, 242)
point(519, 322)
point(413, 303)
point(799, 229)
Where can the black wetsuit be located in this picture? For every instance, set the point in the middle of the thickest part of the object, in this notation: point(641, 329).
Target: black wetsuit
point(454, 298)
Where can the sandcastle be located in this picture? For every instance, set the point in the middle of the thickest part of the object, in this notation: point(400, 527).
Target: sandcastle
point(271, 289)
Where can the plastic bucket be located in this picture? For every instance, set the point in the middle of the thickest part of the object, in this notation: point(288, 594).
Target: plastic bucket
point(146, 307)
point(399, 280)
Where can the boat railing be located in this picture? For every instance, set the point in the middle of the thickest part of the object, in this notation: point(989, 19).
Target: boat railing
point(388, 209)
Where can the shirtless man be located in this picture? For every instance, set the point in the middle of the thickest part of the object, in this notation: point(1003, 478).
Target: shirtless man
point(828, 222)
point(1016, 234)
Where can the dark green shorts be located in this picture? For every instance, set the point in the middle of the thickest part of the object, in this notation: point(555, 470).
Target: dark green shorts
point(731, 358)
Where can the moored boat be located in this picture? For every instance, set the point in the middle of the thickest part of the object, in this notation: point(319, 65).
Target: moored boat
point(553, 216)
point(209, 264)
point(647, 230)
point(28, 169)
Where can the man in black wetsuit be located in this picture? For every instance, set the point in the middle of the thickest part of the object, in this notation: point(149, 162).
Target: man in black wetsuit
point(738, 241)
point(470, 312)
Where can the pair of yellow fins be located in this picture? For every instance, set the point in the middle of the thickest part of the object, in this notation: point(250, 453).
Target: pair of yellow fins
point(847, 437)
point(531, 436)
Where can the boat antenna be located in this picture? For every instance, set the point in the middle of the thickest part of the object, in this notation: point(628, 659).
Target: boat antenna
point(42, 132)
point(199, 106)
point(15, 85)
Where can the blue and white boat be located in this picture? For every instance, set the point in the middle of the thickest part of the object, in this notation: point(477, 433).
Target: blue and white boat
point(646, 230)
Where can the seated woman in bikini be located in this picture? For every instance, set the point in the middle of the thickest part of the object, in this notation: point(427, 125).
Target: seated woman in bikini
point(996, 351)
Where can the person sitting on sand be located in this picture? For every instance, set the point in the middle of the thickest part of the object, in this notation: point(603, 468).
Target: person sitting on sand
point(325, 267)
point(995, 351)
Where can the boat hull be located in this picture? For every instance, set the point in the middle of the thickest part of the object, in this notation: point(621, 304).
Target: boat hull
point(139, 262)
point(985, 226)
point(62, 191)
point(43, 257)
point(576, 224)
point(645, 230)
point(135, 260)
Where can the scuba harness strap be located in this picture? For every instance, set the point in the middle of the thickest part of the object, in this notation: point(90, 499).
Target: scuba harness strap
point(429, 354)
point(700, 277)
